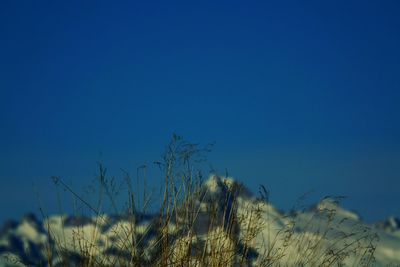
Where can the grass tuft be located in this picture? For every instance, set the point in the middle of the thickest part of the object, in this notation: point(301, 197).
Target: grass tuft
point(202, 223)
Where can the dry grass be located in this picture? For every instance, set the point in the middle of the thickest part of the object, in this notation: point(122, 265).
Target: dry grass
point(198, 225)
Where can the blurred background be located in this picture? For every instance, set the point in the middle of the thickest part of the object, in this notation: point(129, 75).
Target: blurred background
point(297, 96)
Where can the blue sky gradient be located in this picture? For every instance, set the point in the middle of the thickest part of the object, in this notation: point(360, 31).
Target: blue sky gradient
point(297, 96)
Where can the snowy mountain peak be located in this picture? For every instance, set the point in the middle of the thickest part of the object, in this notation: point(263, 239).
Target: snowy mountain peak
point(332, 204)
point(221, 185)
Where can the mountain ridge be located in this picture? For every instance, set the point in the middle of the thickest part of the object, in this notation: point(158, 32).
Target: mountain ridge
point(27, 242)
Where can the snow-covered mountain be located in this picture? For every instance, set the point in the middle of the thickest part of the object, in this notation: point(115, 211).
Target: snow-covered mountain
point(323, 234)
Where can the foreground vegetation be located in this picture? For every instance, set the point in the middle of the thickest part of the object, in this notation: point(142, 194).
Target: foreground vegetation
point(204, 223)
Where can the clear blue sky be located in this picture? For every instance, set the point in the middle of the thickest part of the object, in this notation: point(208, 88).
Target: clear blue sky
point(297, 95)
